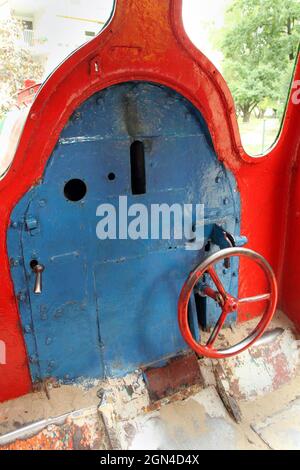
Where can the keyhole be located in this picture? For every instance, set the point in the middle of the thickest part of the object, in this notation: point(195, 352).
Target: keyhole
point(138, 172)
point(33, 263)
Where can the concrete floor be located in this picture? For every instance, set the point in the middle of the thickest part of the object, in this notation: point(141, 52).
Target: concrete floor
point(262, 383)
point(202, 422)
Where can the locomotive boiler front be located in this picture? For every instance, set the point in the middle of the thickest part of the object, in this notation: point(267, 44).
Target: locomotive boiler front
point(126, 209)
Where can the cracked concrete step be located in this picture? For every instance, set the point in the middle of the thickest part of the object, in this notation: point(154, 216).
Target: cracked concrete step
point(281, 430)
point(198, 422)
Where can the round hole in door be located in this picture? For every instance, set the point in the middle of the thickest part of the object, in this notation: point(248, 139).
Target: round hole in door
point(111, 176)
point(75, 190)
point(33, 263)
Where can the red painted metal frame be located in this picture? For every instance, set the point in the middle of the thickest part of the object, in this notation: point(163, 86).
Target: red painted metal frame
point(145, 40)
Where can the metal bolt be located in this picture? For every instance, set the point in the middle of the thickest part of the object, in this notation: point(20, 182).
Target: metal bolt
point(51, 365)
point(48, 341)
point(58, 313)
point(42, 203)
point(14, 224)
point(33, 359)
point(21, 296)
point(76, 116)
point(27, 329)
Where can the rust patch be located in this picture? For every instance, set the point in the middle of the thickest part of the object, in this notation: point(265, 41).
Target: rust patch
point(178, 374)
point(182, 395)
point(67, 436)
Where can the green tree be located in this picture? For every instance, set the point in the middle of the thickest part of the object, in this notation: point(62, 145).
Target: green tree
point(16, 63)
point(259, 42)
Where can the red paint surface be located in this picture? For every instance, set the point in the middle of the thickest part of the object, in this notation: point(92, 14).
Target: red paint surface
point(290, 294)
point(146, 40)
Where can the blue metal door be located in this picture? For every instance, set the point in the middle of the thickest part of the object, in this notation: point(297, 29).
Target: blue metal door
point(110, 306)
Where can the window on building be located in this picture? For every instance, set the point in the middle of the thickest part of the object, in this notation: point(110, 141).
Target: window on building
point(28, 34)
point(27, 25)
point(90, 34)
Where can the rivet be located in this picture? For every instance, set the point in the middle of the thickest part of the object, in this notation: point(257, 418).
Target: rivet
point(42, 203)
point(51, 365)
point(33, 359)
point(76, 116)
point(14, 262)
point(21, 296)
point(14, 224)
point(48, 341)
point(58, 313)
point(27, 329)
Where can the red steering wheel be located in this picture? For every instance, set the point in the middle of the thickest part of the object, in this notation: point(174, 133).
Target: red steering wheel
point(227, 303)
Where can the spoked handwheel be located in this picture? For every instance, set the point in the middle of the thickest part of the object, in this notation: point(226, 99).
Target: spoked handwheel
point(228, 304)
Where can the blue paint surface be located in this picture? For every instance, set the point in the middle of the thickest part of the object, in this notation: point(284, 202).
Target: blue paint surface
point(108, 307)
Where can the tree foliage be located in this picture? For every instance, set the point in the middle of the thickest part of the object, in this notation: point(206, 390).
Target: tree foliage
point(16, 63)
point(260, 43)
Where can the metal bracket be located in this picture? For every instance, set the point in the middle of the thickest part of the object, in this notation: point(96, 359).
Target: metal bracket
point(225, 239)
point(32, 225)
